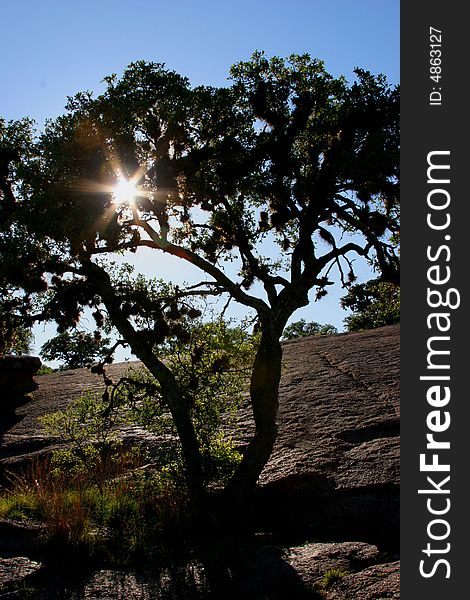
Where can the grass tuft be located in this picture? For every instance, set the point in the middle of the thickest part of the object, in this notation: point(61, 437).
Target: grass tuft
point(331, 577)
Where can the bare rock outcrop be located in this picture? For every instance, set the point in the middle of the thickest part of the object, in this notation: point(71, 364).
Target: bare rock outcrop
point(378, 581)
point(16, 379)
point(335, 465)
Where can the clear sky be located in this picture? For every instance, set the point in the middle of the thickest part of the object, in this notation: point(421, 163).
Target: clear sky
point(52, 49)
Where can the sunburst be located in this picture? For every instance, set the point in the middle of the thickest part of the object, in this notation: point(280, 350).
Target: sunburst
point(125, 190)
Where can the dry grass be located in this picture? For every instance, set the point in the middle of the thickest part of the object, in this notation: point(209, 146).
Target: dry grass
point(115, 510)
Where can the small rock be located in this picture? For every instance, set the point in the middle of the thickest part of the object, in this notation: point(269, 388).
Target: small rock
point(14, 570)
point(379, 582)
point(18, 536)
point(312, 561)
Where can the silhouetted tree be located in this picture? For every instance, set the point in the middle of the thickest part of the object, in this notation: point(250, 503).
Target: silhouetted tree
point(285, 155)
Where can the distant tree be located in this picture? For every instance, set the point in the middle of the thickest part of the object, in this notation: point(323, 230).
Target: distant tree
point(15, 338)
point(374, 304)
point(301, 328)
point(45, 370)
point(75, 350)
point(286, 154)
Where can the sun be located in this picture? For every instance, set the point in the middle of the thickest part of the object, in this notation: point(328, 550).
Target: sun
point(125, 190)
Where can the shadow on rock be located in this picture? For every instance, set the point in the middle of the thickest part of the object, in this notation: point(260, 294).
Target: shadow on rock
point(226, 570)
point(309, 507)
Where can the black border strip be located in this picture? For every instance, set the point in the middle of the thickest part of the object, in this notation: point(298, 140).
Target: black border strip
point(435, 206)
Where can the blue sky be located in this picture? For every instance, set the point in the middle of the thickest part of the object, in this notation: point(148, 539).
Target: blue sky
point(53, 49)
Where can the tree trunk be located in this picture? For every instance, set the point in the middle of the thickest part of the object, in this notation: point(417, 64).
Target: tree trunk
point(184, 427)
point(264, 393)
point(180, 414)
point(179, 409)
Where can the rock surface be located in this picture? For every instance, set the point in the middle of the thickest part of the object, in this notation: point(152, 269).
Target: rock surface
point(14, 570)
point(318, 571)
point(375, 583)
point(333, 479)
point(16, 379)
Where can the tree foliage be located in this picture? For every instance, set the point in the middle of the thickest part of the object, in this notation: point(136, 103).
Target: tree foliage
point(286, 155)
point(15, 338)
point(373, 304)
point(75, 350)
point(302, 328)
point(15, 146)
point(211, 369)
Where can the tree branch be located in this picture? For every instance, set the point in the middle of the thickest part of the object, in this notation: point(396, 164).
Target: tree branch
point(227, 284)
point(253, 262)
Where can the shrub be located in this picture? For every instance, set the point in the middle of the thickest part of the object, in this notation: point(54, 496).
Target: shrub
point(89, 433)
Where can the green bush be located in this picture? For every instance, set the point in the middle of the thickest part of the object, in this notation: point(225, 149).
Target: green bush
point(90, 436)
point(45, 370)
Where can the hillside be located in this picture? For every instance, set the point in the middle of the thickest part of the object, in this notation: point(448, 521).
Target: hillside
point(329, 496)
